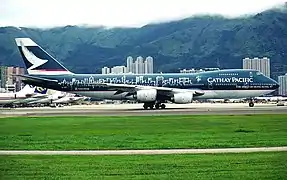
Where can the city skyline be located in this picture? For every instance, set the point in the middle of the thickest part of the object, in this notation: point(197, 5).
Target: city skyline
point(139, 66)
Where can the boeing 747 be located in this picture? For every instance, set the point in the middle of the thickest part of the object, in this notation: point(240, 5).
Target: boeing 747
point(151, 89)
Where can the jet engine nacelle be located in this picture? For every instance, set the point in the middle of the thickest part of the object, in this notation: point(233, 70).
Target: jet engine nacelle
point(183, 98)
point(146, 95)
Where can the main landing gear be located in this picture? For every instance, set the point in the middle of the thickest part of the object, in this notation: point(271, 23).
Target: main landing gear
point(251, 103)
point(153, 105)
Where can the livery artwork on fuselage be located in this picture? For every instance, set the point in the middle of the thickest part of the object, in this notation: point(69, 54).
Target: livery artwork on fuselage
point(204, 81)
point(46, 71)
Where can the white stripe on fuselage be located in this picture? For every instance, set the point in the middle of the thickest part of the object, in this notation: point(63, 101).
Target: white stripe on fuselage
point(208, 94)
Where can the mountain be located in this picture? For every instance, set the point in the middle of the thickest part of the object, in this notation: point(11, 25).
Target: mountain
point(195, 42)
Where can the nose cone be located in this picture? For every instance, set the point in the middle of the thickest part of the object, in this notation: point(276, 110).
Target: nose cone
point(276, 86)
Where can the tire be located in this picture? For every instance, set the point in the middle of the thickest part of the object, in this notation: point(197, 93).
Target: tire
point(157, 106)
point(251, 104)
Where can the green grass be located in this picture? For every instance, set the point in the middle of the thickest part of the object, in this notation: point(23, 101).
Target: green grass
point(220, 166)
point(149, 132)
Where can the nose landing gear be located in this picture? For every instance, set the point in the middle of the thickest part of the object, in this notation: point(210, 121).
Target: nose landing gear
point(251, 104)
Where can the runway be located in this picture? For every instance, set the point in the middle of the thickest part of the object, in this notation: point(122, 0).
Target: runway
point(148, 152)
point(137, 110)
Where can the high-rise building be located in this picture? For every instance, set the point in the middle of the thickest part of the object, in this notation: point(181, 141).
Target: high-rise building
point(134, 68)
point(3, 76)
point(130, 64)
point(15, 79)
point(8, 80)
point(119, 70)
point(106, 70)
point(282, 81)
point(139, 63)
point(278, 70)
point(148, 65)
point(11, 79)
point(260, 64)
point(145, 67)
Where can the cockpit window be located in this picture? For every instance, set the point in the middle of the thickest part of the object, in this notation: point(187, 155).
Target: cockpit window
point(258, 73)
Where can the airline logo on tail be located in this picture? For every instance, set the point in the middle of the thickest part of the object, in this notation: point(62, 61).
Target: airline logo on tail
point(37, 60)
point(41, 90)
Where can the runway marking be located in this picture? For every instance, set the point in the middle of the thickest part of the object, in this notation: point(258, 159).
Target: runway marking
point(144, 152)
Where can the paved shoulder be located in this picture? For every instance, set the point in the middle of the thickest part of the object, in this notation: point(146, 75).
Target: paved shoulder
point(146, 152)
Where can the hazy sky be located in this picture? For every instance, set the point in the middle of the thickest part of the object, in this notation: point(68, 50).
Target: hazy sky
point(49, 13)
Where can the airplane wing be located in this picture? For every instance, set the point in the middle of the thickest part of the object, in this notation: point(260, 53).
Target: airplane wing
point(120, 88)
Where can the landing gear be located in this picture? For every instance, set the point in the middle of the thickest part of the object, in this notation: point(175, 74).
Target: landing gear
point(152, 105)
point(148, 105)
point(159, 105)
point(251, 104)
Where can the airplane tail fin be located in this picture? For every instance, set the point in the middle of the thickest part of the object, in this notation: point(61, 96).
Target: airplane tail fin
point(27, 89)
point(37, 60)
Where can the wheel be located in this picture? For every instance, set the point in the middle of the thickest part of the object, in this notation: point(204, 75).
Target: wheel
point(145, 106)
point(157, 106)
point(251, 104)
point(162, 106)
point(151, 106)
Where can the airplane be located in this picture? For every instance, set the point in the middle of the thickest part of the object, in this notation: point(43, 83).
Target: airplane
point(24, 96)
point(9, 98)
point(58, 98)
point(69, 99)
point(272, 99)
point(52, 95)
point(153, 90)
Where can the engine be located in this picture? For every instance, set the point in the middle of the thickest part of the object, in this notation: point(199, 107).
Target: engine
point(183, 98)
point(146, 95)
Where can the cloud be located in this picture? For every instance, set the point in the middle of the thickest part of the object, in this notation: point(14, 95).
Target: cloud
point(119, 13)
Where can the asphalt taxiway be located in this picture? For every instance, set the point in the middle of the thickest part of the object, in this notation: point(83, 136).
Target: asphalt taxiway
point(137, 110)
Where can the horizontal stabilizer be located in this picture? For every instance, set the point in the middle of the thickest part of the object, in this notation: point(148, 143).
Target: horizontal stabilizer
point(33, 78)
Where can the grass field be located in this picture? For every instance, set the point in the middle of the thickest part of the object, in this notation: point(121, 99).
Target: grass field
point(149, 132)
point(220, 166)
